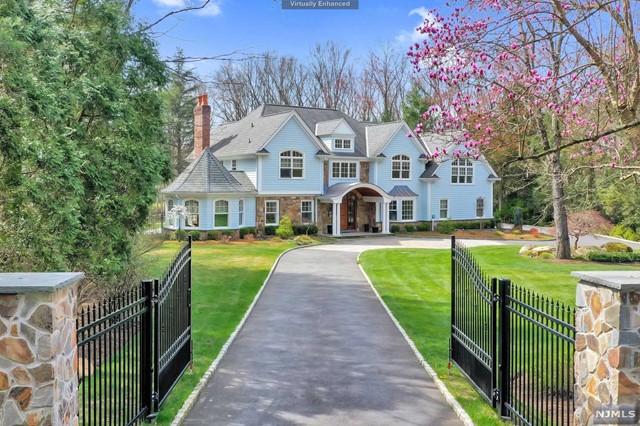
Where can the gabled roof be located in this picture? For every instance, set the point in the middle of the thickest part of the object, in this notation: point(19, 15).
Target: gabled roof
point(207, 175)
point(312, 116)
point(402, 191)
point(430, 170)
point(327, 127)
point(379, 135)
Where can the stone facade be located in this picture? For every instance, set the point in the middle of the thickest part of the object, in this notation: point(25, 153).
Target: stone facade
point(38, 358)
point(364, 171)
point(607, 358)
point(289, 206)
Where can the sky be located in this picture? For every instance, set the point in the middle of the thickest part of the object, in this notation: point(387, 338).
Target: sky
point(254, 26)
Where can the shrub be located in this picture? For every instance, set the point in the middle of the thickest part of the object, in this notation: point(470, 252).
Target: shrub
point(613, 247)
point(534, 232)
point(270, 230)
point(181, 235)
point(227, 233)
point(615, 256)
point(527, 253)
point(446, 227)
point(213, 235)
point(410, 228)
point(303, 240)
point(630, 234)
point(247, 230)
point(424, 227)
point(499, 233)
point(395, 229)
point(516, 232)
point(285, 229)
point(305, 229)
point(546, 256)
point(195, 235)
point(517, 217)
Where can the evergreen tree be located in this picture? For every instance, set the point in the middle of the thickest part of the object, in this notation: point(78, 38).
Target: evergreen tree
point(415, 104)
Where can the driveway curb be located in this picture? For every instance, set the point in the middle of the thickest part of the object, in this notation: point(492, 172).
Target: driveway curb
point(188, 404)
point(457, 408)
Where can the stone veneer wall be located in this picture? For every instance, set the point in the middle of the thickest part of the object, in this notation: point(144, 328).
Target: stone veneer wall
point(289, 206)
point(364, 171)
point(38, 358)
point(607, 358)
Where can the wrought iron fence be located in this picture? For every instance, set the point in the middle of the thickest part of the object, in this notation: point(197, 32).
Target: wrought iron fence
point(515, 345)
point(127, 341)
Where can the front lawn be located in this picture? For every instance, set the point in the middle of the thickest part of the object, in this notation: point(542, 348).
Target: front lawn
point(226, 278)
point(415, 284)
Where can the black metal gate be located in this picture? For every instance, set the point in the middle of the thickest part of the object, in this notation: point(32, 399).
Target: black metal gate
point(133, 347)
point(515, 345)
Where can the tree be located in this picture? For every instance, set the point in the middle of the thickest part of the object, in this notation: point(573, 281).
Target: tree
point(415, 104)
point(178, 109)
point(330, 68)
point(585, 223)
point(82, 143)
point(512, 68)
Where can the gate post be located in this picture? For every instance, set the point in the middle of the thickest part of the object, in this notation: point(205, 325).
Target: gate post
point(146, 341)
point(494, 341)
point(505, 346)
point(453, 293)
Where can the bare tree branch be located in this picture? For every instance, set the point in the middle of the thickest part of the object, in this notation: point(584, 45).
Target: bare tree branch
point(174, 12)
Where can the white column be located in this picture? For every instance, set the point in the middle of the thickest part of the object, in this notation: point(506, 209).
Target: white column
point(385, 218)
point(336, 220)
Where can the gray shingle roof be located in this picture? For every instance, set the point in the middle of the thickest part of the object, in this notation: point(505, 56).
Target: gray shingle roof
point(327, 127)
point(430, 170)
point(379, 134)
point(402, 191)
point(311, 116)
point(207, 175)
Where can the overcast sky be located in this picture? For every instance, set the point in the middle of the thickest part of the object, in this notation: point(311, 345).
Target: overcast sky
point(262, 25)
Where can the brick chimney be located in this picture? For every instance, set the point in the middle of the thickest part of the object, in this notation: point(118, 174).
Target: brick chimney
point(201, 124)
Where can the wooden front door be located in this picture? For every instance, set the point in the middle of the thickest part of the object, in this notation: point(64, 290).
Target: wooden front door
point(348, 212)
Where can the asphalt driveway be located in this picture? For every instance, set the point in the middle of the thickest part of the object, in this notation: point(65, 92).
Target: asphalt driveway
point(319, 349)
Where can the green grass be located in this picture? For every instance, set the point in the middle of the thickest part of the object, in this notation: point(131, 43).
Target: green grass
point(226, 278)
point(415, 284)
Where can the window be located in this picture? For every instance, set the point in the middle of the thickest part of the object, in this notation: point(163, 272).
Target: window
point(240, 212)
point(221, 214)
point(444, 209)
point(400, 167)
point(193, 213)
point(271, 212)
point(407, 209)
point(344, 170)
point(291, 164)
point(393, 211)
point(342, 144)
point(480, 207)
point(306, 211)
point(170, 217)
point(234, 164)
point(461, 171)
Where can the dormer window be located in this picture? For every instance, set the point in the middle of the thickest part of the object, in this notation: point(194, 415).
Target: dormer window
point(343, 144)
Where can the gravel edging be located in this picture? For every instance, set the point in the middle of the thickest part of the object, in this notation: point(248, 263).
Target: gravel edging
point(457, 408)
point(188, 404)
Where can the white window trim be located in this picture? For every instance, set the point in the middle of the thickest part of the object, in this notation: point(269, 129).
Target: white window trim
point(244, 205)
point(346, 138)
point(228, 214)
point(280, 165)
point(277, 212)
point(312, 212)
point(347, 162)
point(484, 207)
point(440, 208)
point(399, 218)
point(234, 165)
point(168, 215)
point(184, 204)
point(401, 161)
point(473, 172)
point(413, 209)
point(396, 210)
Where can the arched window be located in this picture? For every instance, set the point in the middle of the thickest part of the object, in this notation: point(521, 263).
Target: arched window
point(241, 212)
point(193, 213)
point(400, 167)
point(461, 171)
point(291, 165)
point(221, 214)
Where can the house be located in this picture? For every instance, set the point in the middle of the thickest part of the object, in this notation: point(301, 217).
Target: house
point(323, 167)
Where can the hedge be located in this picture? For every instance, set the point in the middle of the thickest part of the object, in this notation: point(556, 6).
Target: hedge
point(615, 257)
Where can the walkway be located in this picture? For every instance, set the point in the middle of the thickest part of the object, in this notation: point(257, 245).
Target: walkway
point(319, 349)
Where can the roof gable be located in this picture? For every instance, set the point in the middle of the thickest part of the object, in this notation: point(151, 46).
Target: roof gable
point(435, 141)
point(294, 115)
point(380, 135)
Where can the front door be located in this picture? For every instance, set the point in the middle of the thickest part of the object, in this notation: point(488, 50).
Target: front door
point(348, 212)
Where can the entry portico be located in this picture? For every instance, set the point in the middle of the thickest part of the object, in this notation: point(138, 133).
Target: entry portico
point(352, 202)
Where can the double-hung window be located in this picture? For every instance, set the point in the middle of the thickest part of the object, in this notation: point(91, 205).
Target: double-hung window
point(393, 211)
point(234, 165)
point(480, 207)
point(291, 165)
point(241, 212)
point(400, 167)
point(342, 144)
point(306, 211)
point(221, 214)
point(193, 213)
point(444, 209)
point(344, 170)
point(271, 212)
point(461, 171)
point(407, 210)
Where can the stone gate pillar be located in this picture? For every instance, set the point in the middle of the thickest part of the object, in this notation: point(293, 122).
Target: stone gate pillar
point(38, 357)
point(607, 358)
